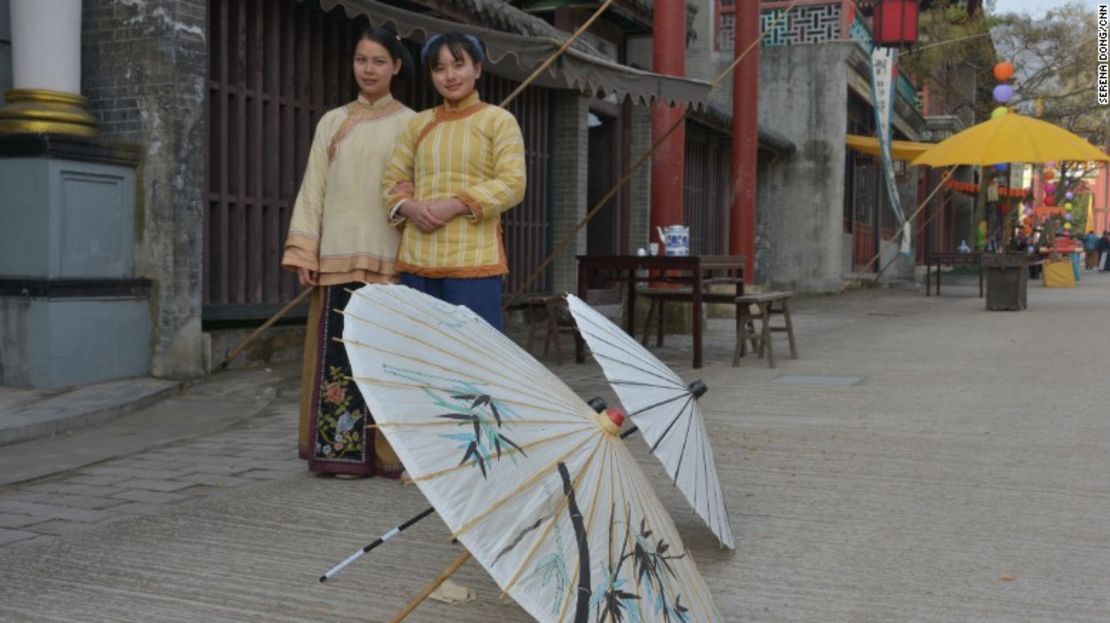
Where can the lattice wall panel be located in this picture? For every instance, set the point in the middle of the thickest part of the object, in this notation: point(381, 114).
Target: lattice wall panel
point(809, 24)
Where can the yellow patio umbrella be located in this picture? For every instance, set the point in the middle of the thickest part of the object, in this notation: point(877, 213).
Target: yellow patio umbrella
point(1011, 138)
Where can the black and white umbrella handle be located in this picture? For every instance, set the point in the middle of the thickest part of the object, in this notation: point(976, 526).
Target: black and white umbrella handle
point(398, 530)
point(376, 542)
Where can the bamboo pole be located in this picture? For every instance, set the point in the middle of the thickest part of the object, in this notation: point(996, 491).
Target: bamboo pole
point(266, 325)
point(921, 207)
point(920, 230)
point(447, 572)
point(565, 242)
point(551, 59)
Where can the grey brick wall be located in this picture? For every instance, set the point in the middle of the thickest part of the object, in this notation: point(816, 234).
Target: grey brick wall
point(143, 70)
point(639, 187)
point(570, 163)
point(5, 50)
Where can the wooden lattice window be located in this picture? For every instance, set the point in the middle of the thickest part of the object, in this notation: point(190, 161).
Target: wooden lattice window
point(726, 26)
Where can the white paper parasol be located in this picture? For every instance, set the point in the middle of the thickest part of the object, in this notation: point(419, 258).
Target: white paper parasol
point(665, 409)
point(537, 486)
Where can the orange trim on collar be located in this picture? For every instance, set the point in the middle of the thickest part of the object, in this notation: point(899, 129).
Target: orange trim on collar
point(444, 114)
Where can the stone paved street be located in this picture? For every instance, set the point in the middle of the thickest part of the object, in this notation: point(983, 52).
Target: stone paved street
point(151, 481)
point(961, 478)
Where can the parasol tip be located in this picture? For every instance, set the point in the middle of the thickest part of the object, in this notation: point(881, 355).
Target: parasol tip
point(616, 416)
point(697, 388)
point(598, 404)
point(611, 420)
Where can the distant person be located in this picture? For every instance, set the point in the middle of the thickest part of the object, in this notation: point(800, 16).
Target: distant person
point(1103, 250)
point(1090, 246)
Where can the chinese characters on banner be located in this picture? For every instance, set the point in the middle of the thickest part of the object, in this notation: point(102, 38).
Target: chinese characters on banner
point(882, 93)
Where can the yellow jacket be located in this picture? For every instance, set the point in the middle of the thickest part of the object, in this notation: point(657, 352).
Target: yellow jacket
point(473, 152)
point(337, 227)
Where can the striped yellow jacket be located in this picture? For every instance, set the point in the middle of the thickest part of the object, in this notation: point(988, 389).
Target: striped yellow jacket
point(475, 152)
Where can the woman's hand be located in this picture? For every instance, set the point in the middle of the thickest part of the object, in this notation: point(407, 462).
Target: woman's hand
point(307, 277)
point(420, 213)
point(447, 209)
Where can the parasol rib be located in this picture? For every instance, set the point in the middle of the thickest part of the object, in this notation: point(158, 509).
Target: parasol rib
point(414, 385)
point(455, 423)
point(677, 383)
point(682, 454)
point(506, 347)
point(523, 381)
point(642, 410)
point(615, 341)
point(654, 522)
point(403, 312)
point(542, 538)
point(712, 473)
point(570, 406)
point(507, 452)
point(675, 419)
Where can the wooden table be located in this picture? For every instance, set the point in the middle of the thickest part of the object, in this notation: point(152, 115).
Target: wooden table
point(691, 271)
point(951, 259)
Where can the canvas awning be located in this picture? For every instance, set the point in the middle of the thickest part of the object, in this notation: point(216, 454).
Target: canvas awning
point(516, 56)
point(899, 150)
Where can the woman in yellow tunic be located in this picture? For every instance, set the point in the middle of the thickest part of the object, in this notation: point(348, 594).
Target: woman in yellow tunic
point(339, 239)
point(456, 169)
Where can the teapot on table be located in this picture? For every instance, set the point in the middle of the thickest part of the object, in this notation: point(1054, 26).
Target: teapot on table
point(675, 239)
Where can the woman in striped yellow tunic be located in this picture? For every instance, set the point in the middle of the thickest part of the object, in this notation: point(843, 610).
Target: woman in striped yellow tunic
point(456, 169)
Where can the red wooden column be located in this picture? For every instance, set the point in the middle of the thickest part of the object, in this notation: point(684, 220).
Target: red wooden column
point(668, 57)
point(745, 137)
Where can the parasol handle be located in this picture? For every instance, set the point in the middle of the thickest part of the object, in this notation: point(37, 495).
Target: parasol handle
point(408, 523)
point(376, 542)
point(447, 572)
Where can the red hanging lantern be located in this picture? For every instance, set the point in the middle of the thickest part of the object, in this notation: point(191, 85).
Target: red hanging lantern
point(894, 22)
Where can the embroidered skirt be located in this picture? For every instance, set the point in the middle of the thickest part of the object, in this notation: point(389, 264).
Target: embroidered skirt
point(333, 434)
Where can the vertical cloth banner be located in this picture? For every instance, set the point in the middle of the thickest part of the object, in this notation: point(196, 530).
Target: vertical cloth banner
point(882, 93)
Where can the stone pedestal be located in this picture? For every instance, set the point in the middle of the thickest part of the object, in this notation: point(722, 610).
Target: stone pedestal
point(71, 310)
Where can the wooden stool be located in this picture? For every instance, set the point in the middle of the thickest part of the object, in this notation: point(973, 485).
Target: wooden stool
point(745, 332)
point(768, 304)
point(536, 308)
point(560, 321)
point(552, 313)
point(659, 296)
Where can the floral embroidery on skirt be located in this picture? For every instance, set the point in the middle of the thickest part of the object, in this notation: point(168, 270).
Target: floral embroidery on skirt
point(341, 440)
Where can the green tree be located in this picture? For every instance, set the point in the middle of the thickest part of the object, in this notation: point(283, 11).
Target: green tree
point(1055, 76)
